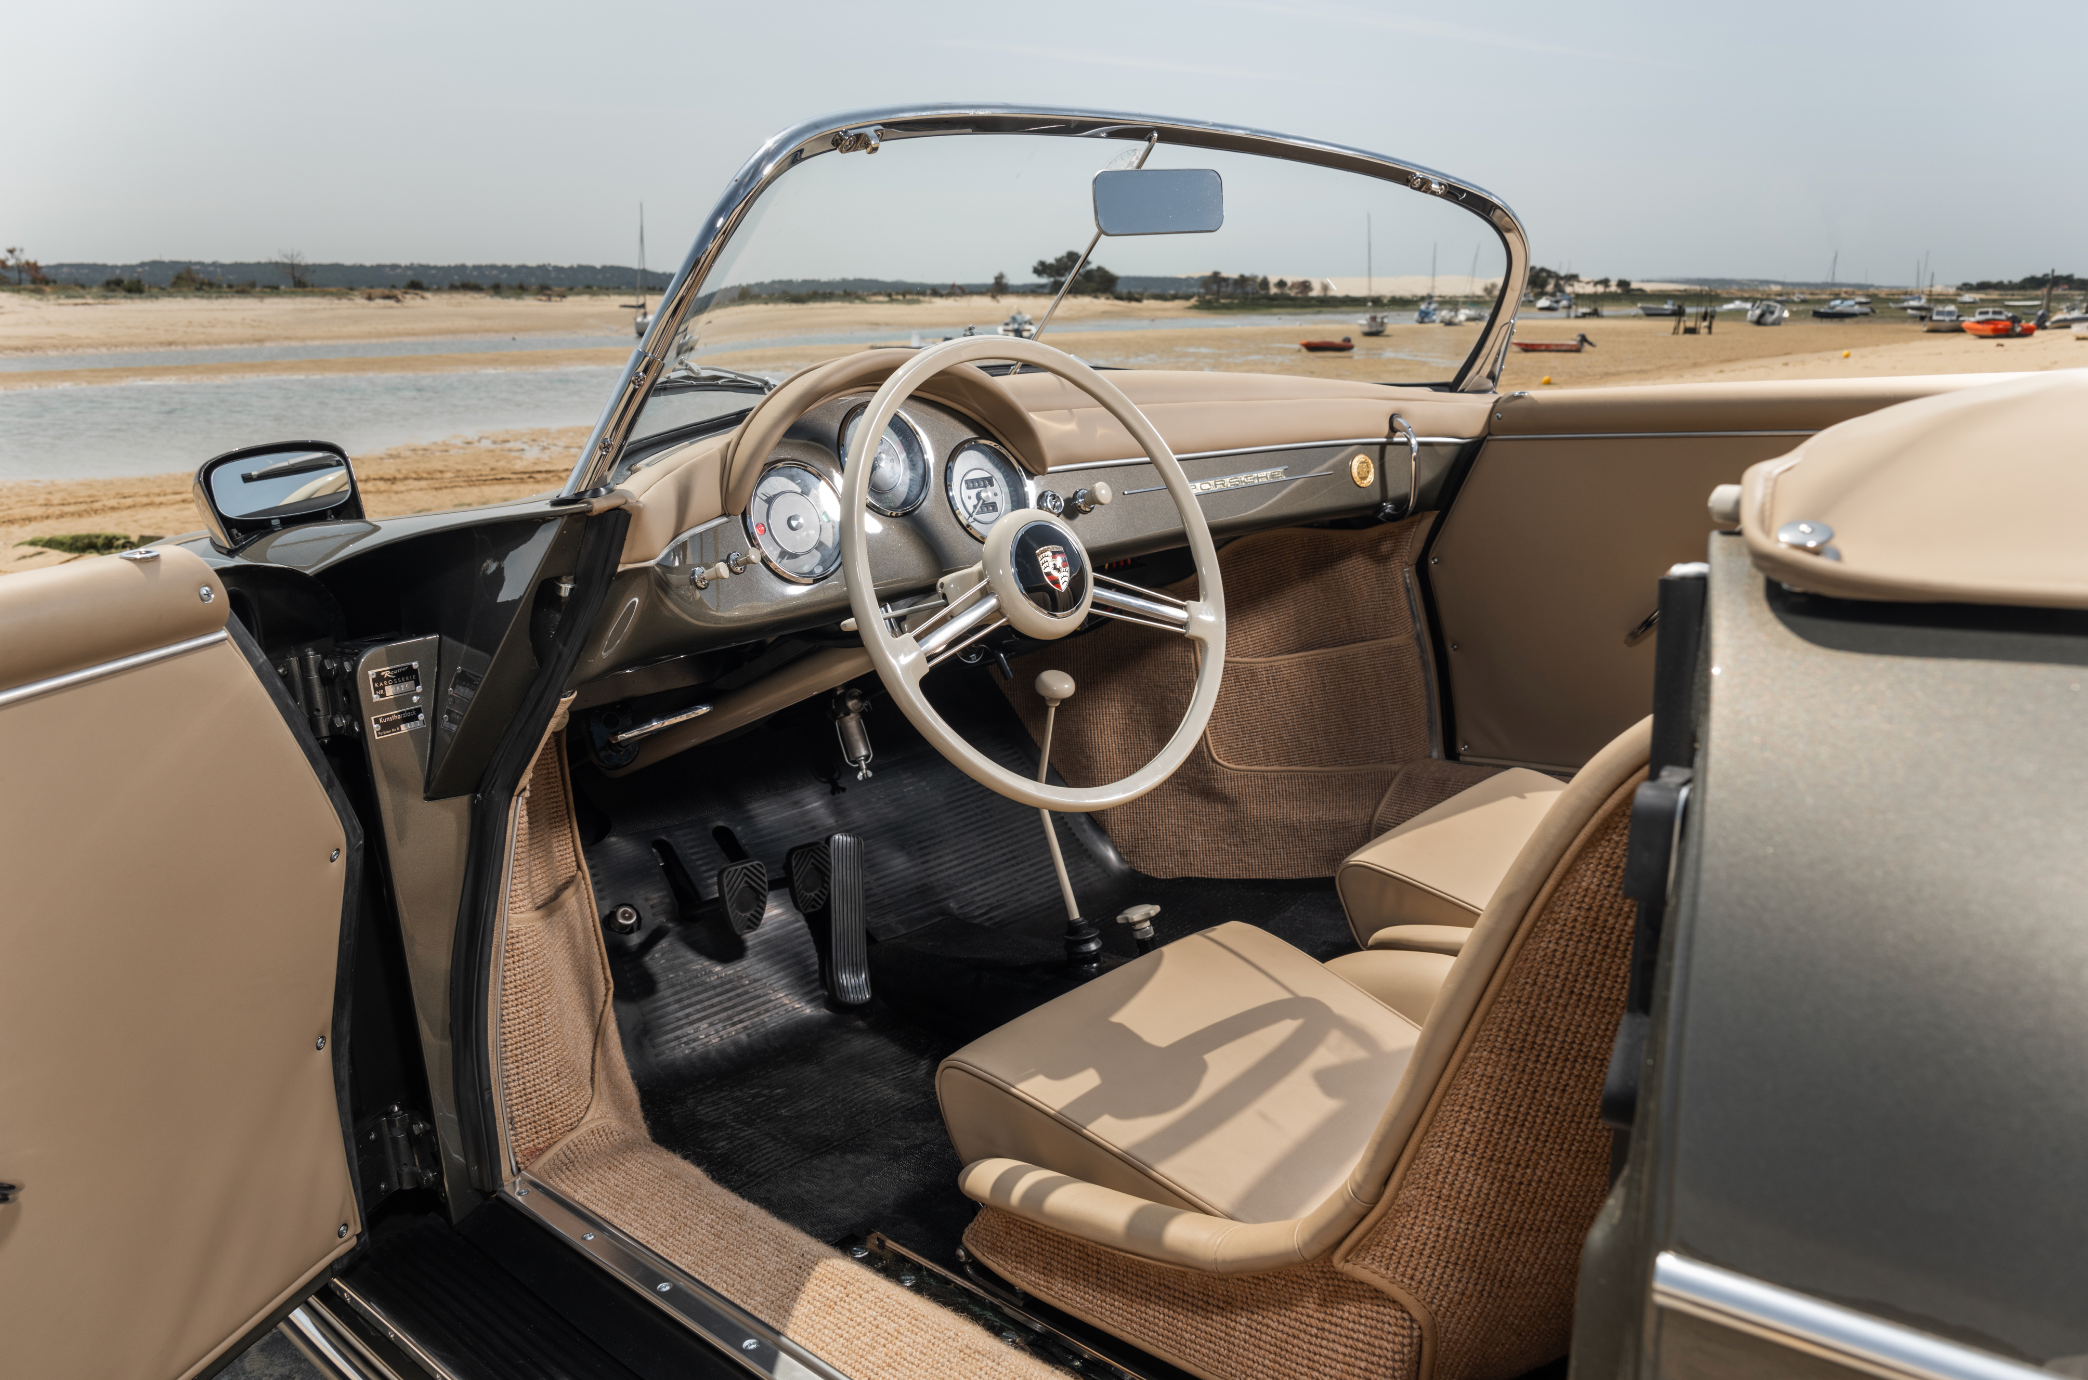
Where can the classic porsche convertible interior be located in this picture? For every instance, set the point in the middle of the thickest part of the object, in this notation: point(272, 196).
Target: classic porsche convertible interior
point(1092, 848)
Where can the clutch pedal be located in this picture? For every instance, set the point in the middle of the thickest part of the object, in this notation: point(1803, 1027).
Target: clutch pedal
point(826, 885)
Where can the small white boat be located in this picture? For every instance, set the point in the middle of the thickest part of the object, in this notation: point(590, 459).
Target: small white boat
point(1768, 312)
point(1425, 314)
point(1944, 319)
point(1737, 304)
point(1018, 325)
point(1373, 325)
point(1668, 308)
point(1843, 309)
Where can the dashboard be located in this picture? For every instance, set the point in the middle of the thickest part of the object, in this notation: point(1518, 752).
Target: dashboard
point(938, 485)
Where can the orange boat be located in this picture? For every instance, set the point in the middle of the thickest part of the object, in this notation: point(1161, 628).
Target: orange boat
point(1993, 322)
point(1341, 346)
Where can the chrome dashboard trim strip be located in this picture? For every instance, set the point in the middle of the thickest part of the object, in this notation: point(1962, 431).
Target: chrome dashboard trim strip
point(1641, 435)
point(1227, 483)
point(732, 1329)
point(1822, 1329)
point(698, 530)
point(109, 668)
point(1260, 450)
point(1480, 372)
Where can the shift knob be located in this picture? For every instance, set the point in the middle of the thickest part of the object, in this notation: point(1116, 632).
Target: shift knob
point(1055, 686)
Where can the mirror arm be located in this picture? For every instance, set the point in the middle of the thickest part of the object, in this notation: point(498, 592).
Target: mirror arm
point(1067, 286)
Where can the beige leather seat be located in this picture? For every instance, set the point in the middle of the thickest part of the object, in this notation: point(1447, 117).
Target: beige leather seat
point(1412, 894)
point(1242, 1161)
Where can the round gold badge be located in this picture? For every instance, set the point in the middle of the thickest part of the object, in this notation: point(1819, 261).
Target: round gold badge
point(1362, 469)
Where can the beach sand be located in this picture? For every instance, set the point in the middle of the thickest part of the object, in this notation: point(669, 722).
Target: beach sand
point(468, 470)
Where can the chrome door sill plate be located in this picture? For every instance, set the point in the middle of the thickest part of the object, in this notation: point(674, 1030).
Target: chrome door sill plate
point(991, 1307)
point(694, 1304)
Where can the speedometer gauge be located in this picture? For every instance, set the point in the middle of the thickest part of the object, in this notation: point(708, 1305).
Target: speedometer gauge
point(983, 485)
point(795, 519)
point(899, 473)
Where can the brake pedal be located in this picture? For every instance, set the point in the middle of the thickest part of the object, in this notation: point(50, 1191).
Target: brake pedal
point(826, 885)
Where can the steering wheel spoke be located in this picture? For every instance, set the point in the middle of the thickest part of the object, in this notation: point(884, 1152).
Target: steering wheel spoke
point(1146, 607)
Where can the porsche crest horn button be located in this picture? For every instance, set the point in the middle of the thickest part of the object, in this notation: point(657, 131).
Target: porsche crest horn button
point(1049, 567)
point(1054, 567)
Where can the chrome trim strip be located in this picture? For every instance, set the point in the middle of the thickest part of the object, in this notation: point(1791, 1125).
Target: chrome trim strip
point(1480, 372)
point(736, 1332)
point(1822, 1329)
point(646, 730)
point(1259, 450)
point(327, 1356)
point(1228, 483)
point(1637, 435)
point(376, 1318)
point(698, 530)
point(109, 668)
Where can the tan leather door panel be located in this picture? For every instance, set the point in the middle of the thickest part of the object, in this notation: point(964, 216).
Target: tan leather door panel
point(171, 881)
point(1548, 559)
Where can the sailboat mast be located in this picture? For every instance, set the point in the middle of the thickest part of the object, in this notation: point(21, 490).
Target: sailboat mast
point(641, 257)
point(1369, 259)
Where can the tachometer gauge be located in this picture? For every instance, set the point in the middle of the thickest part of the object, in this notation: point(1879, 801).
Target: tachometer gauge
point(983, 485)
point(899, 473)
point(795, 519)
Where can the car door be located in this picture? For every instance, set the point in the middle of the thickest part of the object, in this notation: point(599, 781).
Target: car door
point(175, 871)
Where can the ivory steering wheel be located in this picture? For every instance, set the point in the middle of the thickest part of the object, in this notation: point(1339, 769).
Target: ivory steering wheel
point(1035, 577)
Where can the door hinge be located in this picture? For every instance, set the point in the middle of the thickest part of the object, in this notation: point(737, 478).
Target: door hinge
point(395, 1149)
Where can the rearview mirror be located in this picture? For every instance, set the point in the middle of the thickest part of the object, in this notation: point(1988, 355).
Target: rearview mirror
point(246, 493)
point(1159, 201)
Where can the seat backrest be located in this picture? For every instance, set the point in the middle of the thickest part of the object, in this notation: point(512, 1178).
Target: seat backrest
point(1491, 1161)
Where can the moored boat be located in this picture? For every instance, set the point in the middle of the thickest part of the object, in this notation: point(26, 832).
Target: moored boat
point(1573, 346)
point(1668, 308)
point(1768, 312)
point(1993, 321)
point(1944, 319)
point(1843, 309)
point(1373, 325)
point(1321, 347)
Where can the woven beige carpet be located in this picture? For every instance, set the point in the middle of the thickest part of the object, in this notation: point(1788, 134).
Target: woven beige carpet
point(573, 1121)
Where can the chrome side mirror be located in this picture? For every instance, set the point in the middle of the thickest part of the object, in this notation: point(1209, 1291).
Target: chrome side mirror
point(244, 494)
point(1159, 201)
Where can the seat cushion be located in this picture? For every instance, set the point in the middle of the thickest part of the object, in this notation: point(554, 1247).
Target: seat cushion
point(1227, 1073)
point(1406, 980)
point(1442, 866)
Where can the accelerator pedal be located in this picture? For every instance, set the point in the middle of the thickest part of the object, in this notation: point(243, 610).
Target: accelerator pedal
point(826, 885)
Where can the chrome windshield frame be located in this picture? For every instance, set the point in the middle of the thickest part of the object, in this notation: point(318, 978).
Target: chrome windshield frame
point(863, 130)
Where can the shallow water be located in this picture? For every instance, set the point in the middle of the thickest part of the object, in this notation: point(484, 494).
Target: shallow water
point(152, 428)
point(355, 349)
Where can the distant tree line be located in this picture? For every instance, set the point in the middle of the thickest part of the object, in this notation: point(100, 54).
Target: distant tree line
point(2034, 282)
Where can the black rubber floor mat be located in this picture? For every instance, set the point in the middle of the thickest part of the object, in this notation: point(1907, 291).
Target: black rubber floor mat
point(827, 1119)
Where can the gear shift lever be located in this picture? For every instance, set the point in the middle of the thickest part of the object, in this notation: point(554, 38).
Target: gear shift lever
point(1083, 940)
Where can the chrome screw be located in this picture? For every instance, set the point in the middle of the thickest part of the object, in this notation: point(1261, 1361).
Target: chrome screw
point(749, 1344)
point(343, 1232)
point(205, 594)
point(907, 1279)
point(587, 1236)
point(664, 1288)
point(321, 1044)
point(334, 856)
point(859, 1252)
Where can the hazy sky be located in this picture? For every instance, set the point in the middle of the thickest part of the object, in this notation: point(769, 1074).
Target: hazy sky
point(1634, 139)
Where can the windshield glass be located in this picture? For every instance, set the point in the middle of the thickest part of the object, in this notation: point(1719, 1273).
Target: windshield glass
point(929, 238)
